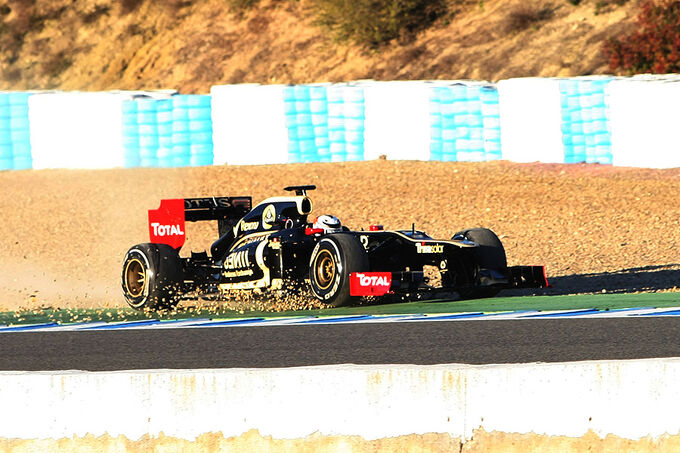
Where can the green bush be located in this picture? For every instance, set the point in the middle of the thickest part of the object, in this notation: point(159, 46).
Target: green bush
point(374, 22)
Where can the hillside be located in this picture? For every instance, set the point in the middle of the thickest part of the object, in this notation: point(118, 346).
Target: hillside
point(193, 44)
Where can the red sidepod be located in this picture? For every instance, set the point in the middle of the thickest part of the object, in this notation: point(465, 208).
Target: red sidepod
point(369, 283)
point(166, 224)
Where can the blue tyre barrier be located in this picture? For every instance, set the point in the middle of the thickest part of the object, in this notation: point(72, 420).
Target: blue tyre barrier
point(22, 162)
point(201, 148)
point(130, 140)
point(181, 138)
point(166, 128)
point(165, 141)
point(179, 114)
point(6, 163)
point(200, 137)
point(5, 137)
point(148, 152)
point(202, 114)
point(180, 127)
point(164, 116)
point(18, 110)
point(147, 129)
point(200, 126)
point(6, 151)
point(21, 149)
point(197, 100)
point(148, 141)
point(200, 160)
point(18, 122)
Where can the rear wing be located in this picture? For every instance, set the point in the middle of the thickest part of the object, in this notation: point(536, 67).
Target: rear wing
point(166, 224)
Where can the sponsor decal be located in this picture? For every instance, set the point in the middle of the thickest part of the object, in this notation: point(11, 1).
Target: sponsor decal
point(429, 248)
point(370, 283)
point(237, 260)
point(240, 273)
point(166, 224)
point(209, 202)
point(268, 216)
point(248, 226)
point(166, 230)
point(251, 240)
point(372, 280)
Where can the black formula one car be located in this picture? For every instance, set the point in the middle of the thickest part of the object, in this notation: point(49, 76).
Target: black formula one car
point(273, 246)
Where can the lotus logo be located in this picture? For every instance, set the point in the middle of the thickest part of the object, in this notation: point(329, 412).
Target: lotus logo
point(268, 216)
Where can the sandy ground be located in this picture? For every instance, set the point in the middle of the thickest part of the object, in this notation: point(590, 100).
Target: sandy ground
point(494, 442)
point(595, 228)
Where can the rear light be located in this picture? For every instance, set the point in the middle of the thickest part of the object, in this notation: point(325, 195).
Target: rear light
point(375, 228)
point(311, 231)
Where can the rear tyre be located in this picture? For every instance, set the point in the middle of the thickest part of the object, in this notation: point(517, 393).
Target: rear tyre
point(489, 255)
point(152, 277)
point(334, 258)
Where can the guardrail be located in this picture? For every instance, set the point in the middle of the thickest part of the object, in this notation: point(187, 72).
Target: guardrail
point(599, 119)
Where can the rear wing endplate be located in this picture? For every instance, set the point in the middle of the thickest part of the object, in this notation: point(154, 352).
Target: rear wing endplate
point(166, 224)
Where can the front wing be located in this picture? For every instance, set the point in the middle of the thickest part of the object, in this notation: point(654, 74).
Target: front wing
point(381, 283)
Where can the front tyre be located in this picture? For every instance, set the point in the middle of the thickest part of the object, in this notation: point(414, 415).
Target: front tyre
point(334, 258)
point(489, 255)
point(152, 277)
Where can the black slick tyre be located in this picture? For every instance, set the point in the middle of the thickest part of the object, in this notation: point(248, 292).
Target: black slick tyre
point(334, 258)
point(489, 255)
point(152, 277)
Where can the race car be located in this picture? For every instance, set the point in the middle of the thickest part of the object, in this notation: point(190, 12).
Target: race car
point(274, 246)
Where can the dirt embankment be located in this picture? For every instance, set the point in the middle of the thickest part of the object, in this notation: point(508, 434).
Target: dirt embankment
point(192, 45)
point(65, 232)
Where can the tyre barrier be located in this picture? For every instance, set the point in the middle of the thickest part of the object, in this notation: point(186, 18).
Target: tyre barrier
point(465, 123)
point(15, 141)
point(586, 132)
point(627, 405)
point(625, 121)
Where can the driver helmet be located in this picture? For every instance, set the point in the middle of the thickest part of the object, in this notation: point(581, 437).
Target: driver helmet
point(328, 223)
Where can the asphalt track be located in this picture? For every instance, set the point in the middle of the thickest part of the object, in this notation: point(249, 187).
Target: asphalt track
point(421, 343)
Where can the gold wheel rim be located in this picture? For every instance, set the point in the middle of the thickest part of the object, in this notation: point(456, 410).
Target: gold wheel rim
point(135, 277)
point(324, 269)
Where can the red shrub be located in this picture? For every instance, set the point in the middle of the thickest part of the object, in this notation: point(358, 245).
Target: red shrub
point(655, 46)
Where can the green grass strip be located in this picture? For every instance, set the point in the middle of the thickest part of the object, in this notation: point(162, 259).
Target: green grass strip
point(497, 304)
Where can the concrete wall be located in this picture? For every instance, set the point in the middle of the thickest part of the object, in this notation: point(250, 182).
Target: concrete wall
point(635, 399)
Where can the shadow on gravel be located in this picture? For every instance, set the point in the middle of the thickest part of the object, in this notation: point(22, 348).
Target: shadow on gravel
point(648, 278)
